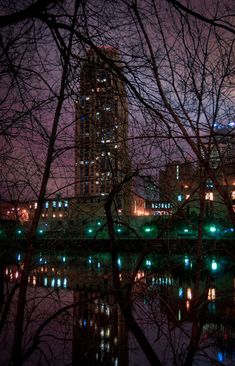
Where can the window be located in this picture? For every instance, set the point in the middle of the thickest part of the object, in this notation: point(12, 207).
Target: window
point(179, 198)
point(233, 195)
point(54, 204)
point(189, 293)
point(211, 294)
point(209, 183)
point(46, 204)
point(177, 172)
point(209, 196)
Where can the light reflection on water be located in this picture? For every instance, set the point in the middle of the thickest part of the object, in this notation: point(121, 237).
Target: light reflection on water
point(99, 323)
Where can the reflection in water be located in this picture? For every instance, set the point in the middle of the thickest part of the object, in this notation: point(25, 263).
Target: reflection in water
point(100, 336)
point(163, 301)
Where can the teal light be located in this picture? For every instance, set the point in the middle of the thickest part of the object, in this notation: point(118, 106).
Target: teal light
point(65, 282)
point(89, 260)
point(186, 261)
point(119, 230)
point(98, 223)
point(212, 229)
point(186, 230)
point(90, 231)
point(19, 231)
point(214, 265)
point(63, 259)
point(119, 262)
point(147, 229)
point(40, 231)
point(181, 292)
point(148, 263)
point(179, 198)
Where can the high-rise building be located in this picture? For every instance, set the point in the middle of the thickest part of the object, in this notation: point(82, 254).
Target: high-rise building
point(101, 125)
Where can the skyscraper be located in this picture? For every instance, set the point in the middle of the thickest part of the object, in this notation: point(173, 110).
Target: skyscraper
point(101, 125)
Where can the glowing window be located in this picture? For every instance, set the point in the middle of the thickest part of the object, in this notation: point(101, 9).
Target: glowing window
point(211, 294)
point(179, 198)
point(189, 293)
point(209, 196)
point(177, 172)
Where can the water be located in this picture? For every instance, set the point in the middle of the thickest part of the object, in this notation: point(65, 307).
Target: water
point(92, 331)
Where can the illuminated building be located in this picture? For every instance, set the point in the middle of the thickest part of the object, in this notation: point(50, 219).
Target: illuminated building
point(101, 126)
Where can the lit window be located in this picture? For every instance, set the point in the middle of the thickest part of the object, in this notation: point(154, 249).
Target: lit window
point(211, 294)
point(46, 204)
point(233, 195)
point(179, 197)
point(177, 172)
point(187, 305)
point(59, 204)
point(209, 196)
point(35, 205)
point(34, 280)
point(189, 293)
point(66, 203)
point(54, 204)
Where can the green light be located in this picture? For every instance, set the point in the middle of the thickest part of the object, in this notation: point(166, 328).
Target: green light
point(90, 231)
point(212, 229)
point(214, 265)
point(19, 232)
point(98, 223)
point(186, 230)
point(147, 229)
point(119, 230)
point(40, 231)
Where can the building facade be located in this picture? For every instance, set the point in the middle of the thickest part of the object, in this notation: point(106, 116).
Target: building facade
point(101, 158)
